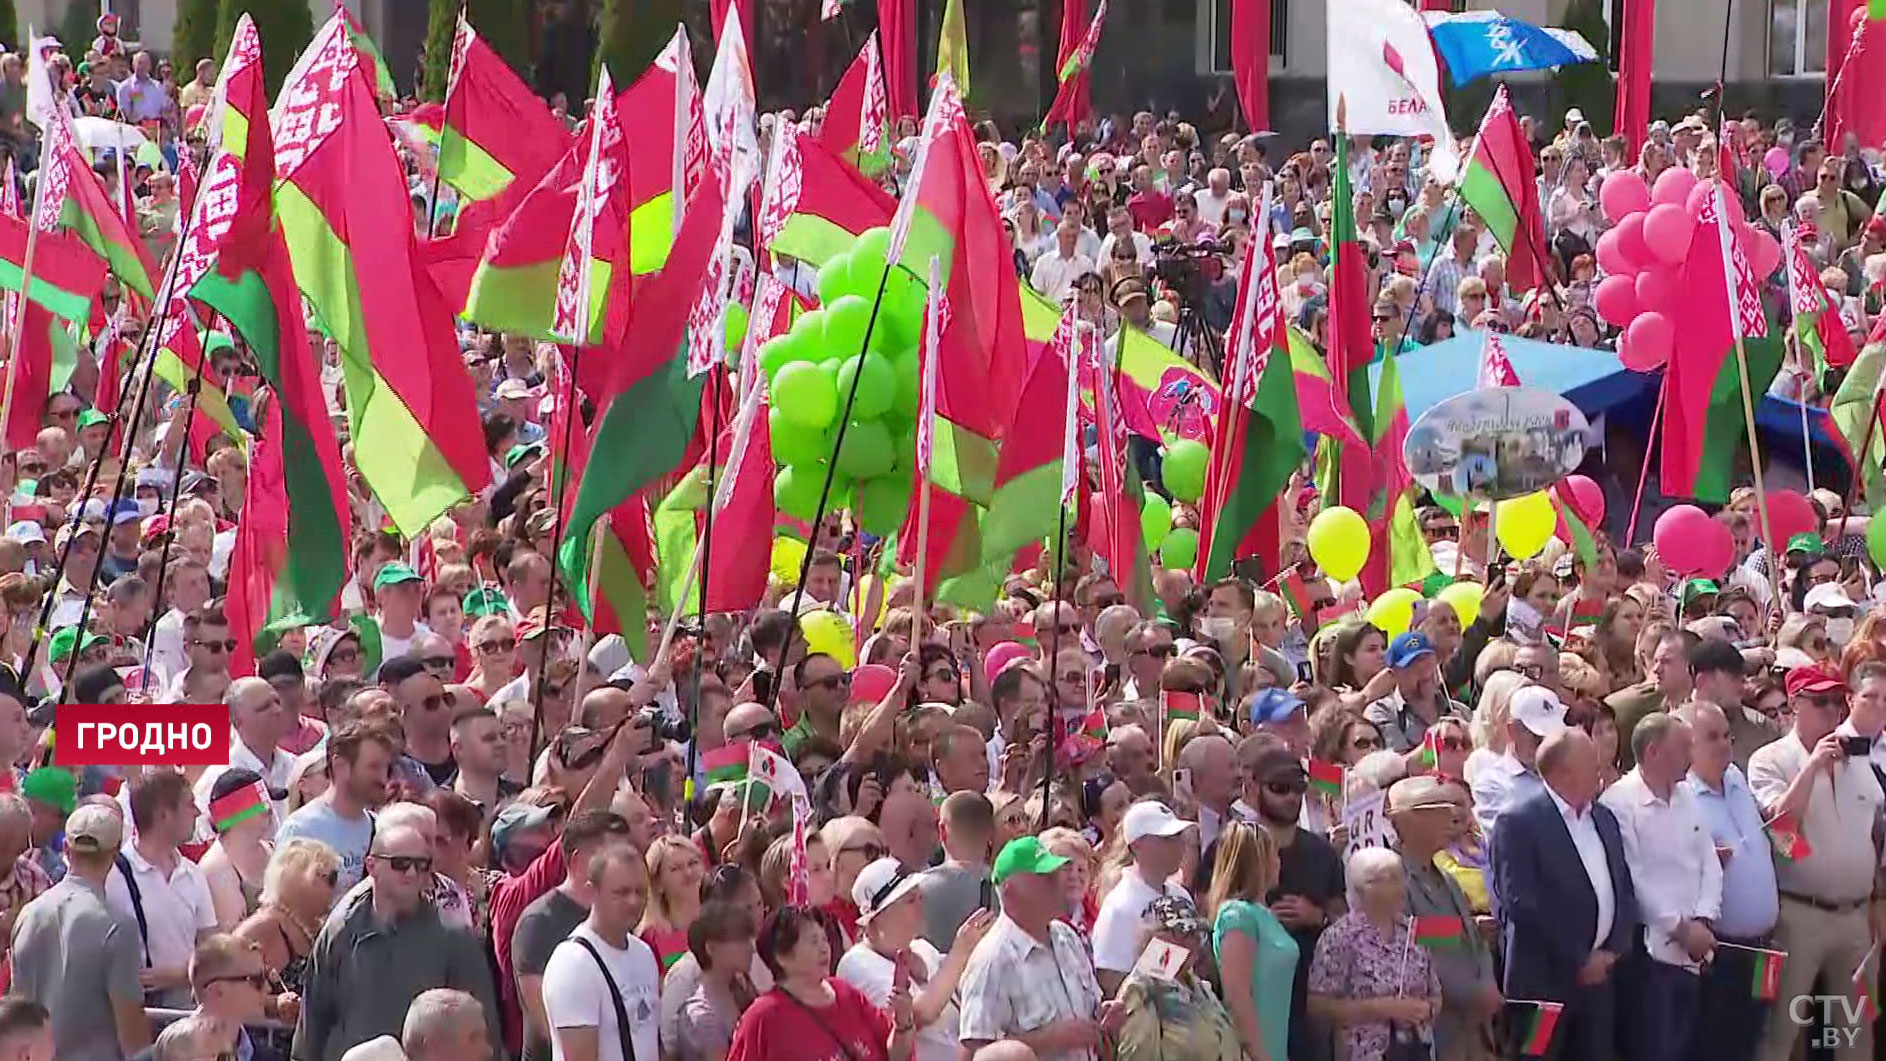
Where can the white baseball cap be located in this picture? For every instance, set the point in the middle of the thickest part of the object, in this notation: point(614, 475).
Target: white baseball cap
point(881, 885)
point(1152, 818)
point(1538, 709)
point(1827, 595)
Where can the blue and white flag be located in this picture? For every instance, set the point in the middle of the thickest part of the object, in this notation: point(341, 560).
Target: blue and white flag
point(1474, 44)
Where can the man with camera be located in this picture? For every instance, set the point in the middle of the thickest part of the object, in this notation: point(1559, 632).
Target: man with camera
point(1815, 783)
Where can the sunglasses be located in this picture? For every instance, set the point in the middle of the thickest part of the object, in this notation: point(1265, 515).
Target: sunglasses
point(498, 644)
point(871, 851)
point(1442, 533)
point(439, 700)
point(1366, 743)
point(1158, 651)
point(1286, 788)
point(759, 732)
point(1535, 671)
point(224, 645)
point(1381, 318)
point(830, 682)
point(444, 663)
point(406, 863)
point(1453, 744)
point(259, 981)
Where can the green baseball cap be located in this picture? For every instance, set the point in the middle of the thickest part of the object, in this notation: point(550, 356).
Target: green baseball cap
point(92, 418)
point(1806, 542)
point(61, 642)
point(1024, 854)
point(486, 601)
point(394, 574)
point(521, 452)
point(1698, 587)
point(53, 786)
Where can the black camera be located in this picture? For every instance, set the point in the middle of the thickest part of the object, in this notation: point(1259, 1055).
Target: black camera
point(663, 727)
point(1188, 268)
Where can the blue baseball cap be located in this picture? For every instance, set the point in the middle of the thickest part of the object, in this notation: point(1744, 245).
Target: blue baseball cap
point(1408, 647)
point(1273, 705)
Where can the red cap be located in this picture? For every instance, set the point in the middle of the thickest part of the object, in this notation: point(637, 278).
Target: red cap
point(1815, 678)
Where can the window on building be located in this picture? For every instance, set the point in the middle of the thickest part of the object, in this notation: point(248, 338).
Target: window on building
point(1797, 38)
point(1214, 22)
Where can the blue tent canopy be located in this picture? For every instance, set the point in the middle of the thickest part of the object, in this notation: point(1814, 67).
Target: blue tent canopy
point(1593, 380)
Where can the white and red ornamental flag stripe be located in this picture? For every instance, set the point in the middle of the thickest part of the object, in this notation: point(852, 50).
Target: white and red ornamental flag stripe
point(876, 117)
point(1255, 321)
point(767, 295)
point(707, 331)
point(926, 383)
point(689, 151)
point(946, 107)
point(569, 321)
point(1746, 319)
point(1109, 414)
point(1496, 369)
point(1803, 284)
point(55, 170)
point(1064, 347)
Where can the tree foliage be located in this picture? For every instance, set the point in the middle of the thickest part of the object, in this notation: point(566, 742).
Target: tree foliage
point(441, 23)
point(1588, 86)
point(78, 27)
point(632, 33)
point(285, 29)
point(194, 36)
point(9, 25)
point(505, 26)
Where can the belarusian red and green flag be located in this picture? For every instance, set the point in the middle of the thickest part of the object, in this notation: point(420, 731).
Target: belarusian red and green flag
point(236, 261)
point(495, 130)
point(1500, 185)
point(819, 206)
point(647, 406)
point(1818, 329)
point(78, 200)
point(232, 809)
point(1259, 441)
point(1073, 102)
point(341, 201)
point(1535, 1038)
point(952, 51)
point(1026, 498)
point(663, 116)
point(857, 123)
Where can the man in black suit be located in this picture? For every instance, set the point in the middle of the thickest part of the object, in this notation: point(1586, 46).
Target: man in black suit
point(1566, 905)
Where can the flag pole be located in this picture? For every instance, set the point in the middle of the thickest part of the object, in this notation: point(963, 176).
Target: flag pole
point(926, 437)
point(1755, 461)
point(17, 326)
point(571, 413)
point(706, 543)
point(1807, 438)
point(1873, 416)
point(1232, 409)
point(1054, 656)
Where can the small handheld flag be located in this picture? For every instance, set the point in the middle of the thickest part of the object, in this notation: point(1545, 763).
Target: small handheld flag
point(1537, 1028)
point(1437, 930)
point(726, 763)
point(1180, 707)
point(1785, 833)
point(1765, 985)
point(1430, 749)
point(1325, 777)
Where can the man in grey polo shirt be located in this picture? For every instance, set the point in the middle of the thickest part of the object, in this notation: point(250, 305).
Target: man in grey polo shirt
point(77, 957)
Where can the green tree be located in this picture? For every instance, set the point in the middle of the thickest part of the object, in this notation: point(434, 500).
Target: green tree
point(1588, 86)
point(194, 37)
point(632, 33)
point(505, 26)
point(78, 27)
point(441, 25)
point(285, 29)
point(9, 26)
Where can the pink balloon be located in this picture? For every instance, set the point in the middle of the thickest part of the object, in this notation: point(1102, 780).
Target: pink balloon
point(1631, 241)
point(1585, 497)
point(1656, 291)
point(1673, 186)
point(1615, 299)
point(1667, 231)
point(1776, 160)
point(1610, 258)
point(1622, 194)
point(871, 681)
point(1763, 250)
point(1651, 338)
point(997, 659)
point(1790, 514)
point(1714, 547)
point(1676, 535)
point(1699, 197)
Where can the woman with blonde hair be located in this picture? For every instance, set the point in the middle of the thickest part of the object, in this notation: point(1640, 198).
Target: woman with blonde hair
point(1256, 955)
point(307, 780)
point(1618, 627)
point(493, 644)
point(1489, 720)
point(298, 890)
point(1077, 877)
point(674, 897)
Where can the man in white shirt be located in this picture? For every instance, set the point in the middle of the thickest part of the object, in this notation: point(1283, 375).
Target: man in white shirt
point(1678, 879)
point(1120, 227)
point(1153, 833)
point(1828, 797)
point(1056, 271)
point(186, 588)
point(257, 722)
point(603, 969)
point(1212, 198)
point(165, 893)
point(400, 594)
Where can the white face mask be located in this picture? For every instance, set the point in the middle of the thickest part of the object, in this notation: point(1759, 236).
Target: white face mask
point(1235, 216)
point(1840, 631)
point(1217, 628)
point(147, 506)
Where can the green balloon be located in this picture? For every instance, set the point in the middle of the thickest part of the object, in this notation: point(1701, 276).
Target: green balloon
point(1876, 539)
point(1184, 469)
point(1179, 550)
point(877, 385)
point(809, 332)
point(1155, 520)
point(796, 445)
point(867, 450)
point(845, 323)
point(735, 323)
point(780, 351)
point(796, 490)
point(909, 388)
point(835, 279)
point(871, 245)
point(805, 395)
point(880, 504)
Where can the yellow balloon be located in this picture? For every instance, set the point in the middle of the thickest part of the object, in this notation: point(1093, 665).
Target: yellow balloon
point(1339, 542)
point(1464, 597)
point(788, 554)
point(829, 633)
point(866, 586)
point(1393, 611)
point(1525, 524)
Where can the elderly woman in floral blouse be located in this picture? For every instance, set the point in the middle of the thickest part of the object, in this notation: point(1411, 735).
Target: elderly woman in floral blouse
point(1369, 977)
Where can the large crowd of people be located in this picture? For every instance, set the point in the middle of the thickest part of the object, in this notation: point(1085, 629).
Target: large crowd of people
point(1613, 813)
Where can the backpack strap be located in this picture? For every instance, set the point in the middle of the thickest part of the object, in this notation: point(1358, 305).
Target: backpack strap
point(615, 998)
point(137, 905)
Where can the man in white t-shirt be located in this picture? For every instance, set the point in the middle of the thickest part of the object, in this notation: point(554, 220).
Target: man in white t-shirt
point(1153, 833)
point(580, 997)
point(400, 593)
point(890, 919)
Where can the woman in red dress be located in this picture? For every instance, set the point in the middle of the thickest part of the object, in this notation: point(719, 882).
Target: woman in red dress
point(809, 1015)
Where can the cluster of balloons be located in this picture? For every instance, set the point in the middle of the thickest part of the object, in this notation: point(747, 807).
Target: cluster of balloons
point(1182, 469)
point(1642, 256)
point(1690, 542)
point(812, 370)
